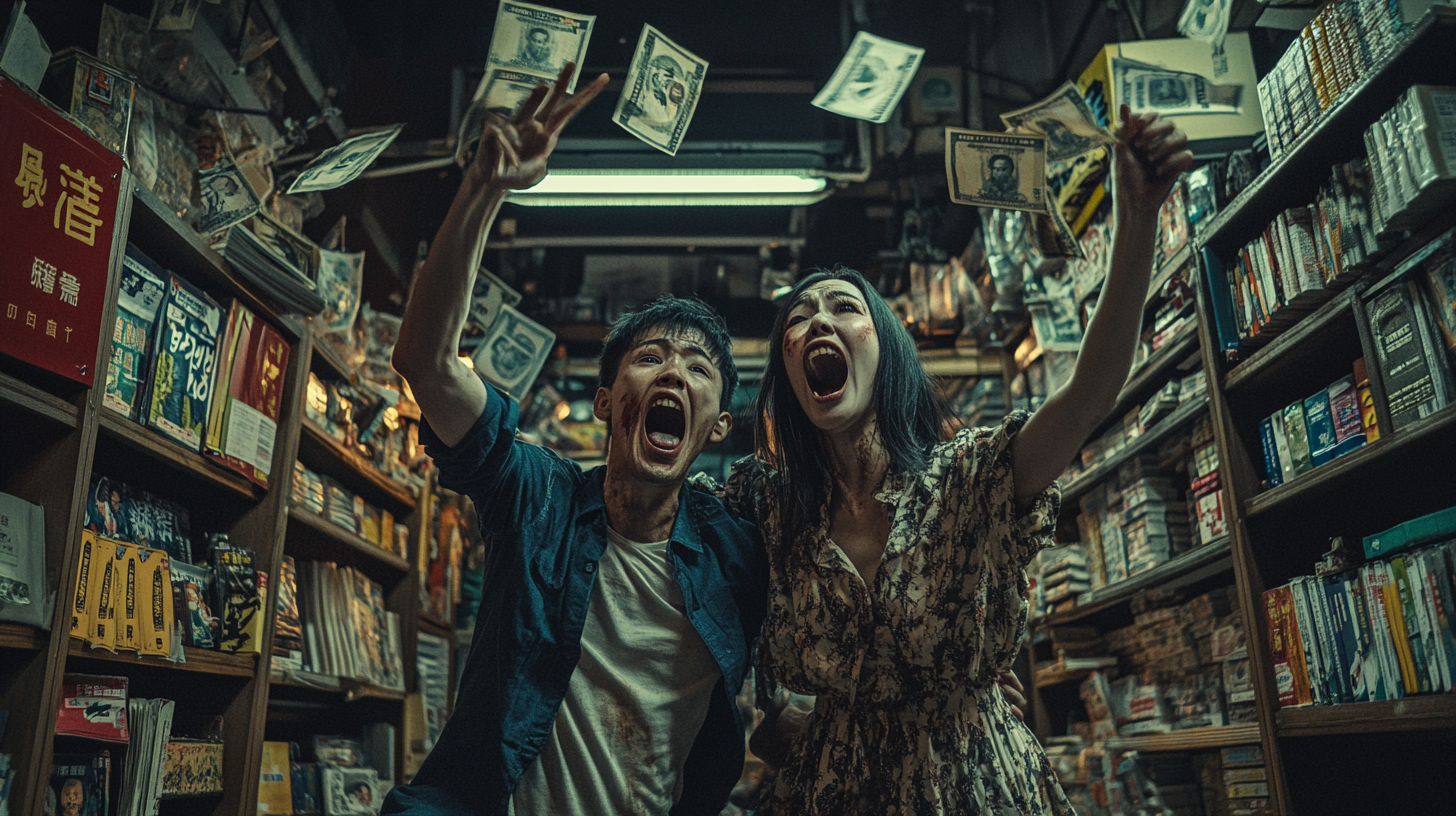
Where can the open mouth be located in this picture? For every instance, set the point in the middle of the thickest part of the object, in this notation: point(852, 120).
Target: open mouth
point(665, 424)
point(826, 371)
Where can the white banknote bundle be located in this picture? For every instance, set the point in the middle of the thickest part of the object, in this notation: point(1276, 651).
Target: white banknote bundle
point(1001, 170)
point(1065, 119)
point(661, 92)
point(870, 79)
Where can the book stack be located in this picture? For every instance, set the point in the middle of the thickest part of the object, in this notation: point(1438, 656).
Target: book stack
point(323, 496)
point(1415, 368)
point(141, 781)
point(1316, 430)
point(1152, 515)
point(1205, 494)
point(1279, 276)
point(344, 778)
point(1381, 632)
point(1062, 575)
point(1332, 55)
point(281, 263)
point(432, 681)
point(1413, 169)
point(371, 421)
point(346, 631)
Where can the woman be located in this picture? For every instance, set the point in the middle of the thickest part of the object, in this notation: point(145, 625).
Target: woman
point(897, 559)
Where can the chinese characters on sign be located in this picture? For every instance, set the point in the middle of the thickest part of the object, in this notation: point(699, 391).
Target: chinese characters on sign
point(55, 262)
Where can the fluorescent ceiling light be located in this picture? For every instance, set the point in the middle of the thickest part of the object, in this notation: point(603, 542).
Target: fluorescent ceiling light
point(577, 188)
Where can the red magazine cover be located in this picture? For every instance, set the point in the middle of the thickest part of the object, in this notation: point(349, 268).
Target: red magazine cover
point(244, 420)
point(1285, 650)
point(93, 705)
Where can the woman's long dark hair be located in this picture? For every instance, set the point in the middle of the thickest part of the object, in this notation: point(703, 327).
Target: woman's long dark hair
point(910, 414)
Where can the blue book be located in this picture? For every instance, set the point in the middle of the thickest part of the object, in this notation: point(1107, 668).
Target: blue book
point(1347, 646)
point(1273, 472)
point(1320, 426)
point(1226, 328)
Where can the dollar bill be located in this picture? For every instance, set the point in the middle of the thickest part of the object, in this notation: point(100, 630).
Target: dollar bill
point(661, 92)
point(341, 275)
point(227, 198)
point(488, 297)
point(870, 79)
point(537, 40)
point(1150, 87)
point(513, 351)
point(1002, 170)
point(1065, 119)
point(501, 92)
point(1206, 20)
point(343, 162)
point(1053, 236)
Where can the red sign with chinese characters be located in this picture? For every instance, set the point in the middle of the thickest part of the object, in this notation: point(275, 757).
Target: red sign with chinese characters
point(58, 193)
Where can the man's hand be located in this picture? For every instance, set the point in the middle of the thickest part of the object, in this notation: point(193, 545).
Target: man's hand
point(1151, 153)
point(513, 151)
point(1012, 690)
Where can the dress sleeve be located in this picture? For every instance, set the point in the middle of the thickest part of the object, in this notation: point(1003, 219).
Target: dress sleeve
point(1005, 539)
point(746, 492)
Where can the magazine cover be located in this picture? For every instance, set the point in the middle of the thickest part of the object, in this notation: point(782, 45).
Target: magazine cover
point(183, 366)
point(192, 603)
point(94, 706)
point(350, 791)
point(154, 587)
point(191, 768)
point(249, 395)
point(23, 593)
point(79, 785)
point(287, 625)
point(136, 314)
point(235, 597)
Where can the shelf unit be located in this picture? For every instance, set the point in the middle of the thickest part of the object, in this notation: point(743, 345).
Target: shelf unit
point(1278, 534)
point(1191, 739)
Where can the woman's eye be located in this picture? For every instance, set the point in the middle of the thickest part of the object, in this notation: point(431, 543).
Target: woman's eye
point(848, 305)
point(795, 320)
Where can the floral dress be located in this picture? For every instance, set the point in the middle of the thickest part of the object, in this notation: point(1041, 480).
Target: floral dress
point(908, 719)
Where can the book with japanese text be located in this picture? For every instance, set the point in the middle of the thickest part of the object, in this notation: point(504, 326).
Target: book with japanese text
point(180, 384)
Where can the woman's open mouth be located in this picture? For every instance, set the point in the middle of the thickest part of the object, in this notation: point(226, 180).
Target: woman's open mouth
point(826, 371)
point(665, 424)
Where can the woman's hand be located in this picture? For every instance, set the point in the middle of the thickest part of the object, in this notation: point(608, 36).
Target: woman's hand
point(1151, 153)
point(1013, 691)
point(513, 151)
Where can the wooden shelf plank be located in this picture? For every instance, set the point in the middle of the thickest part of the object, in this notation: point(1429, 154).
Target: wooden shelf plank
point(167, 452)
point(1435, 432)
point(435, 626)
point(349, 690)
point(1281, 347)
point(203, 661)
point(1190, 739)
point(17, 393)
point(359, 470)
point(1291, 180)
point(1165, 273)
point(21, 636)
point(1159, 432)
point(1099, 599)
point(1436, 712)
point(351, 542)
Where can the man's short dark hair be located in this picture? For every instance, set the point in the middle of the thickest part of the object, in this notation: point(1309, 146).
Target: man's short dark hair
point(1000, 157)
point(677, 315)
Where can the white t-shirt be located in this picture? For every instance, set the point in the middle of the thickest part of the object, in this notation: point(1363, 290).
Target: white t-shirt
point(637, 698)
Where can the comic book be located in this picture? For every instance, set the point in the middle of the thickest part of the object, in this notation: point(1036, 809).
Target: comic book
point(243, 420)
point(191, 767)
point(192, 602)
point(80, 785)
point(136, 313)
point(287, 625)
point(93, 706)
point(180, 385)
point(235, 597)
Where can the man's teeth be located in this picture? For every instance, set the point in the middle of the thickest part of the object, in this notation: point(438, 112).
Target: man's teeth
point(669, 402)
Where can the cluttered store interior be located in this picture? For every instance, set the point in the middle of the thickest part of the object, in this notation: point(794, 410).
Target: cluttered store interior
point(828, 407)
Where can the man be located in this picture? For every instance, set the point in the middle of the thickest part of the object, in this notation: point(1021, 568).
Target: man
point(1001, 182)
point(618, 607)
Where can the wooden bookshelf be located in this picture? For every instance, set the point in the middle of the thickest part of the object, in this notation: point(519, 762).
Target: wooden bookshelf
point(1290, 347)
point(20, 636)
point(330, 457)
point(1190, 739)
point(1165, 273)
point(1436, 712)
point(199, 661)
point(1339, 135)
point(17, 394)
point(188, 463)
point(1198, 563)
point(1184, 414)
point(345, 689)
point(1395, 456)
point(347, 548)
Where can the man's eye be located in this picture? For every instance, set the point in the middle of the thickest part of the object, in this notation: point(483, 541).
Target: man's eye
point(651, 358)
point(699, 370)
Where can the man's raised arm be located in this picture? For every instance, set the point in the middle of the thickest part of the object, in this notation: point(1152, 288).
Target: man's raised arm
point(512, 156)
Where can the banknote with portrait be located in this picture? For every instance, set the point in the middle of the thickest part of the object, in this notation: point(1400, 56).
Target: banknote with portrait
point(488, 297)
point(1001, 170)
point(661, 92)
point(537, 40)
point(344, 162)
point(501, 92)
point(513, 351)
point(1065, 119)
point(227, 198)
point(1053, 236)
point(1148, 87)
point(870, 79)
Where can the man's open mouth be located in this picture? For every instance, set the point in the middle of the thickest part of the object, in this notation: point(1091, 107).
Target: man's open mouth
point(665, 424)
point(826, 371)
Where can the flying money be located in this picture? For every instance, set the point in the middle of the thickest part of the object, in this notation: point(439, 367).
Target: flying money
point(661, 92)
point(343, 162)
point(513, 352)
point(1053, 236)
point(1001, 170)
point(870, 79)
point(1066, 121)
point(536, 40)
point(502, 92)
point(1150, 87)
point(1206, 20)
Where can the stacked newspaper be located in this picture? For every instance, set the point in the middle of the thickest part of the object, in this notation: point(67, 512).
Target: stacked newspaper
point(280, 262)
point(150, 724)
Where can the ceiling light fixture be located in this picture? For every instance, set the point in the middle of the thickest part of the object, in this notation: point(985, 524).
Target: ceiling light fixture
point(575, 188)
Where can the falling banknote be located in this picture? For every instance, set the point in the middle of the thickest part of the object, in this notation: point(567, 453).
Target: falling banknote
point(1150, 87)
point(513, 351)
point(870, 79)
point(1066, 121)
point(1002, 170)
point(536, 40)
point(661, 92)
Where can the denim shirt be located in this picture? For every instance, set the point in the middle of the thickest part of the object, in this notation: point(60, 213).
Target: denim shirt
point(546, 524)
